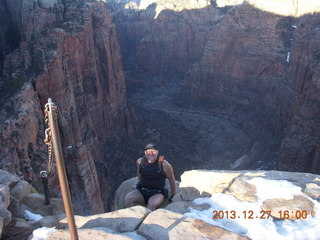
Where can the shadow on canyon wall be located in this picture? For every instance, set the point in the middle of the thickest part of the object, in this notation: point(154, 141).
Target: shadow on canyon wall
point(220, 88)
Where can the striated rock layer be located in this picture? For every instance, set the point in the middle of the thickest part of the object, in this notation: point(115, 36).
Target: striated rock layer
point(70, 54)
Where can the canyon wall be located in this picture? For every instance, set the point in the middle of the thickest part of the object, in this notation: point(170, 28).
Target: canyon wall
point(252, 62)
point(69, 52)
point(246, 61)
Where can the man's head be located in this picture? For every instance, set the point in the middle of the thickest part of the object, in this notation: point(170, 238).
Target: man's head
point(151, 152)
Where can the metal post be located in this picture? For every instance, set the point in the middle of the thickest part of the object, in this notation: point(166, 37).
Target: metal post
point(44, 179)
point(52, 116)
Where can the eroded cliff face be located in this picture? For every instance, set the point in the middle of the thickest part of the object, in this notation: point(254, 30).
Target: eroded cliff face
point(300, 148)
point(70, 54)
point(252, 62)
point(264, 69)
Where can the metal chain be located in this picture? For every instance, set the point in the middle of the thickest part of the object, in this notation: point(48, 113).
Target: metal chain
point(48, 140)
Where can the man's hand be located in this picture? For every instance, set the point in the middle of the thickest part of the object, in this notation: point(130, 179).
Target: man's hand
point(170, 175)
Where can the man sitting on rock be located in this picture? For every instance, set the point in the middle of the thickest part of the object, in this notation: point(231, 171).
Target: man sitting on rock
point(152, 171)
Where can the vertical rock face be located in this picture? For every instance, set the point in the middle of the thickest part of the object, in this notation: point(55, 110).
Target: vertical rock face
point(300, 148)
point(9, 37)
point(158, 41)
point(268, 67)
point(21, 133)
point(255, 62)
point(74, 54)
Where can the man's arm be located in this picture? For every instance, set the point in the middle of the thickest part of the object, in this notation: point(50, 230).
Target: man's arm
point(170, 175)
point(138, 169)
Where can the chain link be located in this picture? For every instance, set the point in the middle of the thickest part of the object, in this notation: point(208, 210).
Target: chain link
point(48, 140)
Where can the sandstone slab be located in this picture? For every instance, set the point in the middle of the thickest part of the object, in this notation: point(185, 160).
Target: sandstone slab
point(163, 224)
point(184, 206)
point(244, 191)
point(202, 183)
point(313, 190)
point(293, 208)
point(87, 234)
point(52, 221)
point(123, 220)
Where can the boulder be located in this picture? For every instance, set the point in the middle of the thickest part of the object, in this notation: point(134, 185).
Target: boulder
point(293, 208)
point(8, 179)
point(21, 189)
point(20, 229)
point(123, 220)
point(163, 224)
point(313, 190)
point(121, 192)
point(244, 191)
point(35, 203)
point(5, 195)
point(128, 186)
point(5, 214)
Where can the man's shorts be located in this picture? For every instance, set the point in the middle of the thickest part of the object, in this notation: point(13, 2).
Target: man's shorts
point(148, 192)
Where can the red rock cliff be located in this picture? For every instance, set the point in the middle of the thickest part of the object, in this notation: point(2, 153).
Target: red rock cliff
point(79, 67)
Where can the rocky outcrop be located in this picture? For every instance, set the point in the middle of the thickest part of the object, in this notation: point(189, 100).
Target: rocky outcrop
point(70, 53)
point(176, 221)
point(252, 62)
point(201, 191)
point(18, 201)
point(160, 224)
point(171, 225)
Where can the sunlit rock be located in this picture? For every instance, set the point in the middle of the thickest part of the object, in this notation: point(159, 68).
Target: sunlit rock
point(123, 220)
point(88, 234)
point(164, 224)
point(289, 209)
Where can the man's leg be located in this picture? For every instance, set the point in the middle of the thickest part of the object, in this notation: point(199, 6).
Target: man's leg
point(134, 198)
point(155, 201)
